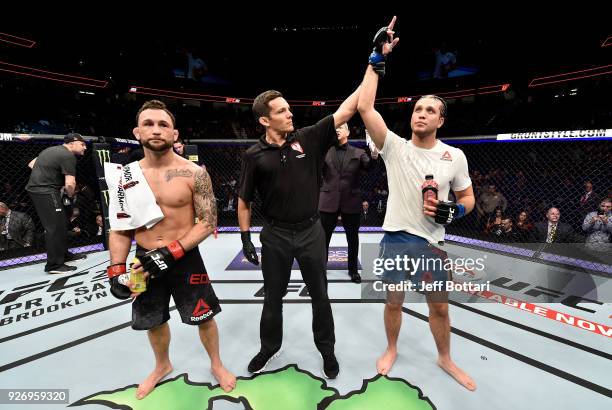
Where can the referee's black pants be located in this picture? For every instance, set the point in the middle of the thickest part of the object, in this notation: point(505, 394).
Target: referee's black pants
point(279, 247)
point(51, 213)
point(350, 222)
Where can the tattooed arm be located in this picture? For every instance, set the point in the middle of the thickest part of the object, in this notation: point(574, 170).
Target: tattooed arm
point(205, 206)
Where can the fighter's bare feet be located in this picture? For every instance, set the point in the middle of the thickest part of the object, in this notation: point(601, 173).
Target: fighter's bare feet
point(462, 377)
point(385, 362)
point(226, 379)
point(149, 383)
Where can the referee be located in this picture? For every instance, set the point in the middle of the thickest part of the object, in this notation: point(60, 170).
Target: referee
point(284, 166)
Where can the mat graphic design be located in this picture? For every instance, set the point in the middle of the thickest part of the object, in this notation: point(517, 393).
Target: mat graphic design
point(337, 259)
point(287, 388)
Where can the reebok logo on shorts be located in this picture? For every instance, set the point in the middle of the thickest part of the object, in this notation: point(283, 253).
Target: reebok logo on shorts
point(201, 311)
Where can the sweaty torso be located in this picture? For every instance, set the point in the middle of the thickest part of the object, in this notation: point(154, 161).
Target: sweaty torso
point(173, 187)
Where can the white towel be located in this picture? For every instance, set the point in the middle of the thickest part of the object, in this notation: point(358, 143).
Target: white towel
point(131, 202)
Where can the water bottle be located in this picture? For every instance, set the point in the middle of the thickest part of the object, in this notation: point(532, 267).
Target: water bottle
point(139, 283)
point(429, 188)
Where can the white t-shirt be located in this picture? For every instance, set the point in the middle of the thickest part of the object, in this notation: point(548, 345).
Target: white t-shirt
point(407, 166)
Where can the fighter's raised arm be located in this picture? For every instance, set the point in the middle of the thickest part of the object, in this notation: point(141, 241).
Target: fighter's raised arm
point(383, 45)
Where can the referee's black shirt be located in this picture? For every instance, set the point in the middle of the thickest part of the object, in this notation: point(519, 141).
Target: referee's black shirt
point(288, 177)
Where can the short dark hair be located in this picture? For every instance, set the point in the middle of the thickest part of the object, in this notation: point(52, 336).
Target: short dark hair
point(155, 105)
point(443, 109)
point(261, 107)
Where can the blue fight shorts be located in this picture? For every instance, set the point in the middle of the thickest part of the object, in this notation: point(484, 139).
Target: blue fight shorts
point(414, 259)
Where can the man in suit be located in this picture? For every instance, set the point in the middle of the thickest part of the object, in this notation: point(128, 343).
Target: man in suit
point(16, 229)
point(589, 201)
point(367, 216)
point(553, 231)
point(341, 193)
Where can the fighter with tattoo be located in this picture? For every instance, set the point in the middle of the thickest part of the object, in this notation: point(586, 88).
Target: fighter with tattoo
point(168, 252)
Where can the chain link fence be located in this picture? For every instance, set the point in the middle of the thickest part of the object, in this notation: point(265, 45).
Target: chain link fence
point(515, 184)
point(84, 234)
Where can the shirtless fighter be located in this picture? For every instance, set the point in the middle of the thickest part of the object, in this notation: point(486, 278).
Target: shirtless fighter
point(169, 251)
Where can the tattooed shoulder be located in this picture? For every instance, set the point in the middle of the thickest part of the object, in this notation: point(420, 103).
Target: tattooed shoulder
point(173, 173)
point(204, 201)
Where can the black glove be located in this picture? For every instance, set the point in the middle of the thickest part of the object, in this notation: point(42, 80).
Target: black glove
point(248, 249)
point(379, 68)
point(159, 261)
point(66, 200)
point(377, 59)
point(117, 277)
point(447, 212)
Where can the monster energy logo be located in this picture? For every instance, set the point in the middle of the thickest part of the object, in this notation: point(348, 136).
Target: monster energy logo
point(103, 156)
point(105, 196)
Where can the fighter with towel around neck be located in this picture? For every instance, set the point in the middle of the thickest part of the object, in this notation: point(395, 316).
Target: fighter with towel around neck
point(169, 251)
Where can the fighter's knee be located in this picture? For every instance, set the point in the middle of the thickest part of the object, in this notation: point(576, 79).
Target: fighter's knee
point(159, 328)
point(393, 306)
point(207, 324)
point(438, 309)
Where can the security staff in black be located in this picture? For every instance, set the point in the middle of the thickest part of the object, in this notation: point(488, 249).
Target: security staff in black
point(52, 170)
point(284, 166)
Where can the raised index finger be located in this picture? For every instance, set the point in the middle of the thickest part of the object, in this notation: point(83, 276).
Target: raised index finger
point(390, 26)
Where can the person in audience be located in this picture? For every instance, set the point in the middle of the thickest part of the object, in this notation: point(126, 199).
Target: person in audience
point(493, 225)
point(598, 226)
point(523, 226)
point(16, 229)
point(552, 230)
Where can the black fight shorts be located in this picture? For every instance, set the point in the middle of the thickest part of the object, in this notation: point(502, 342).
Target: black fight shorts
point(188, 284)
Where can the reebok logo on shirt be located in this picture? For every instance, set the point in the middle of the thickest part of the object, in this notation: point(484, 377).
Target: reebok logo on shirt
point(446, 156)
point(297, 147)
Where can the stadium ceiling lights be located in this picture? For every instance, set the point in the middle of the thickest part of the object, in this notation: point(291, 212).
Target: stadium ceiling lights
point(468, 92)
point(571, 76)
point(19, 41)
point(189, 96)
point(49, 75)
point(491, 89)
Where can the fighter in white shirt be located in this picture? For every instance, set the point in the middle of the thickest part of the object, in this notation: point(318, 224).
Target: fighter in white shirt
point(417, 226)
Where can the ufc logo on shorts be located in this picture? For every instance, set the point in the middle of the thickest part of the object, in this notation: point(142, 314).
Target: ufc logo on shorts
point(159, 262)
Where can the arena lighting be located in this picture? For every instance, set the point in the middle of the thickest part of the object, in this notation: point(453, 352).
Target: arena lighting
point(23, 42)
point(574, 75)
point(491, 89)
point(607, 42)
point(189, 96)
point(49, 75)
